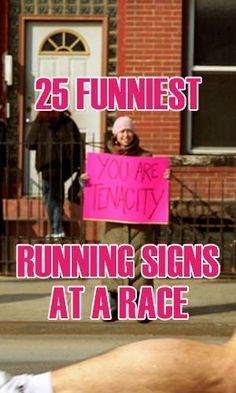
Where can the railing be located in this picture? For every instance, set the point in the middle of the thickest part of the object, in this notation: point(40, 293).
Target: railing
point(193, 219)
point(196, 220)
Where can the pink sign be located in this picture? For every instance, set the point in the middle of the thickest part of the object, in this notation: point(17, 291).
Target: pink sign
point(126, 189)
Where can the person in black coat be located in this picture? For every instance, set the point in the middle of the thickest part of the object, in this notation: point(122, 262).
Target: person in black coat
point(3, 151)
point(56, 139)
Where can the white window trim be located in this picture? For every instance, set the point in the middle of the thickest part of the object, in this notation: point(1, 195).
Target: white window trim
point(208, 69)
point(213, 150)
point(57, 47)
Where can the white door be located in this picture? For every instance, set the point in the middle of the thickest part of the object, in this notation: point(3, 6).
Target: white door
point(64, 49)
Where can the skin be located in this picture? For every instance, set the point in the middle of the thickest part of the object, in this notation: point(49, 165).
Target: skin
point(125, 137)
point(154, 366)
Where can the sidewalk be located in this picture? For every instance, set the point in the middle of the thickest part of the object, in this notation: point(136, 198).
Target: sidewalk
point(24, 308)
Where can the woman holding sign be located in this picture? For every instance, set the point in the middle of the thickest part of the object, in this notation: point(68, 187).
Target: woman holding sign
point(125, 143)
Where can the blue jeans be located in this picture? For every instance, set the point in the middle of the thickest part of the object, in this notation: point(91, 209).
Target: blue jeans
point(53, 196)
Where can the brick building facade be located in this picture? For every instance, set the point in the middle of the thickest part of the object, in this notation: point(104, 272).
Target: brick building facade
point(155, 38)
point(151, 42)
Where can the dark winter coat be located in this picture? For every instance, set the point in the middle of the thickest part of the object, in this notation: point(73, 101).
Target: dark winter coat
point(3, 159)
point(3, 147)
point(57, 148)
point(136, 235)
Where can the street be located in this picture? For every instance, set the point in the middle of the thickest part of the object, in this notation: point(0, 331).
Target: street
point(30, 343)
point(39, 353)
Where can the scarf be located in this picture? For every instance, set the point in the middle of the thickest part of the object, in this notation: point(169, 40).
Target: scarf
point(133, 149)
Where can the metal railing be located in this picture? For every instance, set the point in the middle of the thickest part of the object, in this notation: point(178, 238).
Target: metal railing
point(193, 219)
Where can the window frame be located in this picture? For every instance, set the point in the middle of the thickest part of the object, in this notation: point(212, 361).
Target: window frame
point(58, 51)
point(189, 68)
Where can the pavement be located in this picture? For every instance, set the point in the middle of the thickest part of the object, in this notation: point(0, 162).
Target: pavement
point(24, 306)
point(29, 343)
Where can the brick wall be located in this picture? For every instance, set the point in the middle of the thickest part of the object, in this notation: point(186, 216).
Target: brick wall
point(208, 182)
point(150, 44)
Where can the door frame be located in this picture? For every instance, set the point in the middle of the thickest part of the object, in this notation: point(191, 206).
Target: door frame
point(52, 19)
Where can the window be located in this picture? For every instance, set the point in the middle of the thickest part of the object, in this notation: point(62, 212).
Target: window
point(64, 42)
point(210, 52)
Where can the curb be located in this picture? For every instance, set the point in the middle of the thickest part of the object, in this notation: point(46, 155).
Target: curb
point(173, 328)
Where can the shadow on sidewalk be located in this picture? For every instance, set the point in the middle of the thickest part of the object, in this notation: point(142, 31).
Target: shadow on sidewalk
point(12, 298)
point(212, 309)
